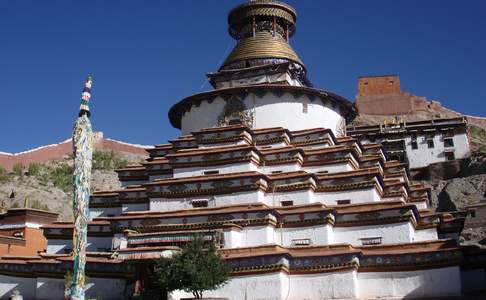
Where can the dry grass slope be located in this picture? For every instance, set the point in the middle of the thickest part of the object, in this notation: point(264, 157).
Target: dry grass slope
point(49, 186)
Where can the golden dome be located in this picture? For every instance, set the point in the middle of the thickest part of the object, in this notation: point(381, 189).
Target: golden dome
point(262, 45)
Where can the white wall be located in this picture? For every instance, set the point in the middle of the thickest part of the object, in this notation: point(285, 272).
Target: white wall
point(225, 144)
point(240, 198)
point(280, 286)
point(421, 205)
point(319, 235)
point(152, 178)
point(411, 284)
point(58, 246)
point(428, 234)
point(26, 286)
point(269, 111)
point(232, 239)
point(49, 288)
point(119, 241)
point(171, 204)
point(94, 243)
point(284, 168)
point(262, 235)
point(96, 212)
point(269, 286)
point(269, 198)
point(223, 169)
point(132, 182)
point(128, 207)
point(389, 233)
point(356, 196)
point(107, 288)
point(423, 156)
point(334, 285)
point(298, 197)
point(257, 236)
point(53, 288)
point(331, 168)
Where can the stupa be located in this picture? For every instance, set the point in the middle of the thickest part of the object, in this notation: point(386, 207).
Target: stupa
point(264, 169)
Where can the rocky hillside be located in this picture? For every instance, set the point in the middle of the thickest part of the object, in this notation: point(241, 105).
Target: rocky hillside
point(48, 185)
point(460, 185)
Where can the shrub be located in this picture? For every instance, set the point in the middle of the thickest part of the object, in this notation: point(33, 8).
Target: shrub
point(43, 180)
point(18, 169)
point(34, 169)
point(108, 160)
point(198, 267)
point(62, 176)
point(39, 205)
point(3, 175)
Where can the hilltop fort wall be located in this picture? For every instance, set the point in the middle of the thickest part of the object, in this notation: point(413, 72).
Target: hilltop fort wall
point(62, 149)
point(382, 96)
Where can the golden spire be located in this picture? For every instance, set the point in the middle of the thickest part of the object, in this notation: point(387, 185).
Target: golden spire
point(263, 29)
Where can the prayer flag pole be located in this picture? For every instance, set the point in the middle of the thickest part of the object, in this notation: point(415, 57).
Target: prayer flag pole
point(83, 153)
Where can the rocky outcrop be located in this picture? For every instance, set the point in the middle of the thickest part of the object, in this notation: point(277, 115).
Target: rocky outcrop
point(460, 185)
point(448, 170)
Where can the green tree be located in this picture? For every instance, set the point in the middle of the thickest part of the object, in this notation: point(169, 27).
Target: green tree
point(197, 268)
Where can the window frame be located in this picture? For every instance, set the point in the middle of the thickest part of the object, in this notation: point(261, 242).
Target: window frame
point(448, 145)
point(287, 203)
point(450, 155)
point(210, 172)
point(343, 202)
point(200, 203)
point(370, 241)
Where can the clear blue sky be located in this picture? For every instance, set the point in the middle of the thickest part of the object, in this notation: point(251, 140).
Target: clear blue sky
point(147, 55)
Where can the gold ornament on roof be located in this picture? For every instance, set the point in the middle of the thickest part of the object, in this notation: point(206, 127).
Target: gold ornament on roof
point(263, 29)
point(263, 45)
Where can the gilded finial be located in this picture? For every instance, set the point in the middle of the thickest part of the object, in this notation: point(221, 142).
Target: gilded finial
point(86, 96)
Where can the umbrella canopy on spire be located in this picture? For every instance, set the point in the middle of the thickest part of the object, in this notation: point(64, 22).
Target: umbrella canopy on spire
point(262, 29)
